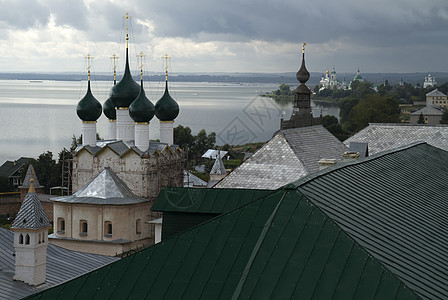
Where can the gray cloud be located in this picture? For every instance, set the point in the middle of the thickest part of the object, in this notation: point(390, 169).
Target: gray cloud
point(23, 13)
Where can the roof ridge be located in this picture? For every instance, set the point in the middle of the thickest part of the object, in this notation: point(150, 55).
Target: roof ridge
point(342, 165)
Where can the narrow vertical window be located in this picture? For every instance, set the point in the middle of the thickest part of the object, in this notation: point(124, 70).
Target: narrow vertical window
point(27, 239)
point(108, 228)
point(138, 226)
point(21, 239)
point(83, 227)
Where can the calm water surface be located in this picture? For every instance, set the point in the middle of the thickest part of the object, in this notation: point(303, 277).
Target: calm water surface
point(40, 116)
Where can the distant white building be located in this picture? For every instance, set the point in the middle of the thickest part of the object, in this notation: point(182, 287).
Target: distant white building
point(430, 81)
point(329, 80)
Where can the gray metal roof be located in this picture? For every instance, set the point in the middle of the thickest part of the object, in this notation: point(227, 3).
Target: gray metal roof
point(192, 180)
point(395, 205)
point(31, 214)
point(122, 147)
point(435, 92)
point(218, 167)
point(105, 188)
point(212, 153)
point(381, 136)
point(62, 265)
point(272, 166)
point(27, 180)
point(288, 156)
point(429, 110)
point(312, 143)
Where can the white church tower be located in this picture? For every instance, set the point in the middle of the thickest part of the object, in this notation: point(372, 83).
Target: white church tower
point(31, 240)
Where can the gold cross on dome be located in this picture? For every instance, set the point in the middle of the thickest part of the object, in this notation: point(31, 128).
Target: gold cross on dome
point(141, 55)
point(166, 57)
point(89, 57)
point(114, 57)
point(127, 17)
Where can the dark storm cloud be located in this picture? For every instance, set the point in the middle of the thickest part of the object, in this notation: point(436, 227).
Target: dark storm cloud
point(22, 14)
point(290, 21)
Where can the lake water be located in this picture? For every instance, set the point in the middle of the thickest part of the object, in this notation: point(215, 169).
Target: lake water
point(40, 116)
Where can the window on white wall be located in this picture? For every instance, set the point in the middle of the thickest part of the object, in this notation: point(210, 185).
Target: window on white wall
point(83, 227)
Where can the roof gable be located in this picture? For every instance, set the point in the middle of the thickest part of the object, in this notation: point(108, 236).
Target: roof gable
point(280, 246)
point(313, 143)
point(272, 166)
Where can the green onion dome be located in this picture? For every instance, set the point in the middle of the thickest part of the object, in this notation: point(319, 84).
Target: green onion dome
point(88, 108)
point(124, 92)
point(167, 108)
point(142, 109)
point(109, 110)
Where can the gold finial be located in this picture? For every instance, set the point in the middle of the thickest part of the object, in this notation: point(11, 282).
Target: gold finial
point(127, 17)
point(31, 189)
point(89, 57)
point(303, 48)
point(141, 55)
point(166, 57)
point(115, 58)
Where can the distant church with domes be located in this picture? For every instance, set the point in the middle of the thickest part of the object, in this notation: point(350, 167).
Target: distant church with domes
point(115, 181)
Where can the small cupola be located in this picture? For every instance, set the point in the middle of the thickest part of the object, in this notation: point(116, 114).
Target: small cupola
point(167, 108)
point(88, 108)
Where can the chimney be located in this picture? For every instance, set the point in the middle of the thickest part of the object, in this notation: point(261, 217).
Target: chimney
point(326, 162)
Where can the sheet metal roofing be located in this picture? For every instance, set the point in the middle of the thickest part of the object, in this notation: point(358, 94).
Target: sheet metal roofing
point(382, 137)
point(278, 247)
point(435, 92)
point(395, 205)
point(218, 167)
point(30, 173)
point(62, 265)
point(288, 156)
point(193, 200)
point(31, 214)
point(429, 110)
point(105, 188)
point(212, 153)
point(376, 228)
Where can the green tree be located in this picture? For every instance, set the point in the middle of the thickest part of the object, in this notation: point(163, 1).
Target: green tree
point(421, 119)
point(375, 109)
point(5, 185)
point(183, 137)
point(444, 119)
point(202, 142)
point(345, 107)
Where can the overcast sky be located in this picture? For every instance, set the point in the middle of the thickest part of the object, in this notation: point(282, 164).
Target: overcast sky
point(226, 35)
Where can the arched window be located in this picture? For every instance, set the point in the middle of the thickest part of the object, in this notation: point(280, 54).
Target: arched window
point(27, 239)
point(138, 226)
point(83, 227)
point(61, 226)
point(39, 239)
point(43, 237)
point(108, 228)
point(21, 239)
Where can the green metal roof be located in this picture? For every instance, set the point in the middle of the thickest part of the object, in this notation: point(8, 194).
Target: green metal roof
point(194, 200)
point(395, 205)
point(280, 246)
